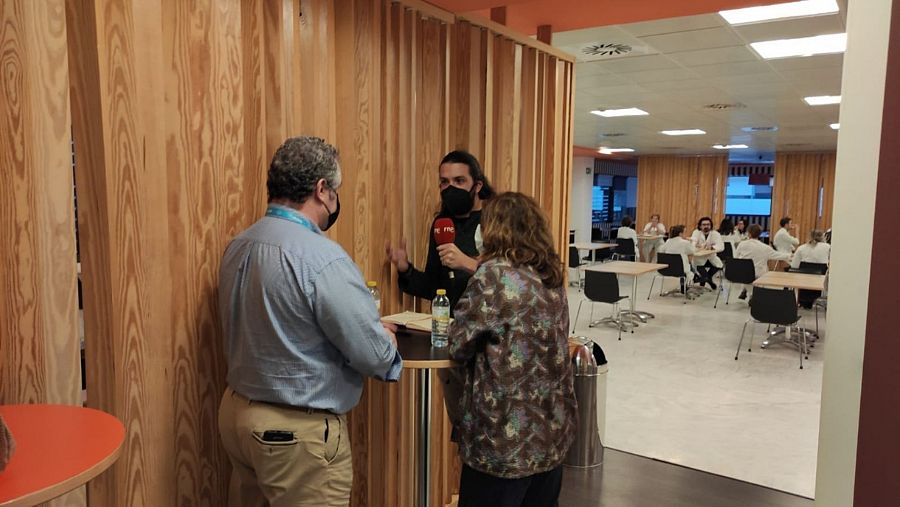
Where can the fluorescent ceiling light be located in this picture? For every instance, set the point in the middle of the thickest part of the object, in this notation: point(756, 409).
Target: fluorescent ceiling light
point(780, 11)
point(823, 100)
point(804, 46)
point(730, 146)
point(612, 113)
point(688, 132)
point(610, 151)
point(835, 126)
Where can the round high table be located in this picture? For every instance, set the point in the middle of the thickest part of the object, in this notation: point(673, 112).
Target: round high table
point(418, 354)
point(58, 448)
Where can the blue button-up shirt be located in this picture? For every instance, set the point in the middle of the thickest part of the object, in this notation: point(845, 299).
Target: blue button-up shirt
point(300, 326)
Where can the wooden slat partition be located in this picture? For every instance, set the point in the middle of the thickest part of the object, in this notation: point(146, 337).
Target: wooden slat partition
point(681, 189)
point(176, 109)
point(39, 346)
point(798, 180)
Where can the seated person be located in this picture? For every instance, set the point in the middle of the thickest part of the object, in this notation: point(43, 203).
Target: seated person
point(705, 238)
point(679, 244)
point(626, 232)
point(651, 246)
point(759, 252)
point(816, 250)
point(784, 241)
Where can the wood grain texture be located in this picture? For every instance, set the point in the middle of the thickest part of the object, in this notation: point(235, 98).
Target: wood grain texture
point(681, 189)
point(799, 180)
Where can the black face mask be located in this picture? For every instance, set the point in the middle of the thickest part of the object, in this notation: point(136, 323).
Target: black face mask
point(457, 201)
point(333, 216)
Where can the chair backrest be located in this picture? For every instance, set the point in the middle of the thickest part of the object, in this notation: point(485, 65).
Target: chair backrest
point(574, 260)
point(774, 306)
point(601, 287)
point(728, 253)
point(814, 267)
point(675, 264)
point(625, 246)
point(740, 270)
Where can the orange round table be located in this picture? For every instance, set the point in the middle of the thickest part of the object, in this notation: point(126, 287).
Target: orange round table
point(58, 448)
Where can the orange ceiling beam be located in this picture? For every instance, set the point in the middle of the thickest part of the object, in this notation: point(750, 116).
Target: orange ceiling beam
point(563, 15)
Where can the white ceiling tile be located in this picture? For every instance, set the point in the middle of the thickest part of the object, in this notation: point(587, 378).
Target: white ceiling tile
point(591, 82)
point(637, 63)
point(809, 62)
point(653, 76)
point(716, 55)
point(727, 70)
point(694, 40)
point(671, 25)
point(791, 29)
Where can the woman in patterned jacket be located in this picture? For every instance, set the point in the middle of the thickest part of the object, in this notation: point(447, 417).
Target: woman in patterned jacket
point(510, 333)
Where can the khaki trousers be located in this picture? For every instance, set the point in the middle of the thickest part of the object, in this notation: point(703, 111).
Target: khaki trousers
point(313, 468)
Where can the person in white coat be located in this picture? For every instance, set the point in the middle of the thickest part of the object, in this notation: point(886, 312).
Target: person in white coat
point(626, 232)
point(784, 241)
point(816, 250)
point(759, 252)
point(705, 238)
point(679, 244)
point(740, 229)
point(653, 228)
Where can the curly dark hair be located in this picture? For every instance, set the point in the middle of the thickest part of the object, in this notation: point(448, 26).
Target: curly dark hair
point(298, 165)
point(516, 229)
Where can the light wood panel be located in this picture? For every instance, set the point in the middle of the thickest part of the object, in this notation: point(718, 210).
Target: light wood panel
point(681, 189)
point(176, 109)
point(799, 179)
point(39, 345)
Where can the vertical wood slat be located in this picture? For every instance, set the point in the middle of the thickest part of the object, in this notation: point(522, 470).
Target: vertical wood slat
point(798, 178)
point(681, 189)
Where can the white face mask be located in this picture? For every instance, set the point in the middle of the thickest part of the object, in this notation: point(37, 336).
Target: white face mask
point(479, 241)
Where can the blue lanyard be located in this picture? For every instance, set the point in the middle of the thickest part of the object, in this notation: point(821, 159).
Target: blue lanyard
point(290, 216)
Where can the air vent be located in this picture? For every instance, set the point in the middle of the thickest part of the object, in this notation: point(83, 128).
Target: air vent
point(760, 129)
point(612, 134)
point(723, 107)
point(606, 49)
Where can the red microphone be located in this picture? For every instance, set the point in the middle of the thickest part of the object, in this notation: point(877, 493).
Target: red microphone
point(444, 232)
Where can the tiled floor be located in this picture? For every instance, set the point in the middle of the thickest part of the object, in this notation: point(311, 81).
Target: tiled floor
point(676, 394)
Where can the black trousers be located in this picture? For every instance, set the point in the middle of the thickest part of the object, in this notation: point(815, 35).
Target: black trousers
point(707, 271)
point(477, 489)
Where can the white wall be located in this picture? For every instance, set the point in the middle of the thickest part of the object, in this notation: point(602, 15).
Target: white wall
point(580, 202)
point(862, 105)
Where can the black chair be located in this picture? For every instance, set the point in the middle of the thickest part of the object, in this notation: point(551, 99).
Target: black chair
point(575, 263)
point(774, 307)
point(624, 248)
point(806, 297)
point(736, 271)
point(728, 253)
point(602, 287)
point(674, 269)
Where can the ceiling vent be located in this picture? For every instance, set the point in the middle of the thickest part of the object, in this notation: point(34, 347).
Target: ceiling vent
point(606, 49)
point(612, 134)
point(760, 129)
point(723, 107)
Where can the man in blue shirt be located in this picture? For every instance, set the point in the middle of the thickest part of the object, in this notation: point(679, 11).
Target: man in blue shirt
point(301, 332)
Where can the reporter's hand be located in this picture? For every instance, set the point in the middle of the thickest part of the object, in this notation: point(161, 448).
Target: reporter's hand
point(398, 256)
point(453, 258)
point(391, 330)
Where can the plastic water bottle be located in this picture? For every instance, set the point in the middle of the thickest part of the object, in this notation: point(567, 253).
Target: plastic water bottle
point(440, 319)
point(376, 294)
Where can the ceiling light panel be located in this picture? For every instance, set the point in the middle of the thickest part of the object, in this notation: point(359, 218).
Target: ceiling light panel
point(730, 146)
point(835, 126)
point(804, 46)
point(686, 132)
point(614, 113)
point(823, 100)
point(610, 151)
point(788, 10)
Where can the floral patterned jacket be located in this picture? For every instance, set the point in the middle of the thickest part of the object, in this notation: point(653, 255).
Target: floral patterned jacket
point(518, 400)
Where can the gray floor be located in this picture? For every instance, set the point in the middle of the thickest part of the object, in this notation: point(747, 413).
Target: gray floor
point(676, 394)
point(626, 480)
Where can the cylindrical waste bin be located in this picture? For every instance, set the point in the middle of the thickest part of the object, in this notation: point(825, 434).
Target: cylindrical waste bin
point(590, 368)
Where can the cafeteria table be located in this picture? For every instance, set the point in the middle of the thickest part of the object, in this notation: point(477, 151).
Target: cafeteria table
point(634, 270)
point(794, 281)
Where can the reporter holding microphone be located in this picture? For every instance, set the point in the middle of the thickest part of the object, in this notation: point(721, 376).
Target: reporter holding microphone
point(452, 261)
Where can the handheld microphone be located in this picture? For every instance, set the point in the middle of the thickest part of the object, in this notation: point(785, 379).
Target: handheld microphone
point(444, 232)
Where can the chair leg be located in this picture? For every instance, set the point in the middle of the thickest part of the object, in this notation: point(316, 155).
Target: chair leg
point(801, 342)
point(752, 332)
point(575, 323)
point(730, 288)
point(816, 306)
point(738, 351)
point(718, 293)
point(619, 324)
point(652, 281)
point(592, 312)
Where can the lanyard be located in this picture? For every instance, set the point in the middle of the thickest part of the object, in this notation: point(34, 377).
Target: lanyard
point(290, 216)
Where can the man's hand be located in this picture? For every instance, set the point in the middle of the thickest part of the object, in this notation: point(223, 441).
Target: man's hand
point(391, 330)
point(453, 258)
point(397, 256)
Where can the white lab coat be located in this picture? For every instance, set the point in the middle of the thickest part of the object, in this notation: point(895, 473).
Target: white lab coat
point(627, 233)
point(760, 253)
point(734, 238)
point(713, 241)
point(683, 247)
point(650, 244)
point(784, 242)
point(820, 253)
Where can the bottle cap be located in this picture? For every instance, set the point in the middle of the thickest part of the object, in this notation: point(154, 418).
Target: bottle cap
point(441, 292)
point(371, 283)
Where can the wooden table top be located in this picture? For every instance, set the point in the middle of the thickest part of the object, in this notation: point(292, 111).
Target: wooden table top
point(791, 280)
point(58, 448)
point(704, 253)
point(416, 350)
point(650, 236)
point(593, 246)
point(626, 267)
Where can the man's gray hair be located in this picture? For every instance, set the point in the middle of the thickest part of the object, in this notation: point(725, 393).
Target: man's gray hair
point(298, 165)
